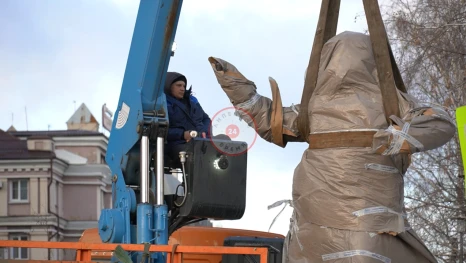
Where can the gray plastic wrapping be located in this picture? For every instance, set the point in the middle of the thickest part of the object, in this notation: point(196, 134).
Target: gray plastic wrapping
point(348, 202)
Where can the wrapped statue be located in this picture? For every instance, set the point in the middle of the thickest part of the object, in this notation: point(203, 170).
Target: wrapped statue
point(348, 189)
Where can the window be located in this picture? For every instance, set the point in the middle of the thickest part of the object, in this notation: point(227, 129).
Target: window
point(19, 252)
point(3, 253)
point(19, 190)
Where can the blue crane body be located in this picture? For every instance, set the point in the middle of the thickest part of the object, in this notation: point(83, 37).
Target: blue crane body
point(143, 210)
point(139, 130)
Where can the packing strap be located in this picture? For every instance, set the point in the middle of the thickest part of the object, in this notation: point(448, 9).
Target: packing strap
point(341, 139)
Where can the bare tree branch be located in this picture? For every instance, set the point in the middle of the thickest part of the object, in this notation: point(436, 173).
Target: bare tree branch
point(428, 40)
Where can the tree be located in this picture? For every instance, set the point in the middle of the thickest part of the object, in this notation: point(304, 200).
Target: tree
point(428, 38)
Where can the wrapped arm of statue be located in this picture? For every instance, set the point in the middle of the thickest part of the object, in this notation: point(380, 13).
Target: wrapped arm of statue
point(421, 128)
point(274, 123)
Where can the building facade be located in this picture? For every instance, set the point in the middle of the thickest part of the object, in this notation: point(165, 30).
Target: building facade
point(53, 185)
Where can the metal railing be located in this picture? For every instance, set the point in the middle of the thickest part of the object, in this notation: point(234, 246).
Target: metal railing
point(85, 251)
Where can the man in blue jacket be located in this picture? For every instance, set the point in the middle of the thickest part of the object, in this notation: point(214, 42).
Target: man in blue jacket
point(185, 115)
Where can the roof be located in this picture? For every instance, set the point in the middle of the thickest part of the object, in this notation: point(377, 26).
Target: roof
point(40, 137)
point(82, 115)
point(7, 141)
point(70, 157)
point(56, 133)
point(89, 168)
point(12, 128)
point(12, 148)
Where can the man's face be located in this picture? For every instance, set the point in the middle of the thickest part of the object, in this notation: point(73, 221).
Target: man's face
point(178, 88)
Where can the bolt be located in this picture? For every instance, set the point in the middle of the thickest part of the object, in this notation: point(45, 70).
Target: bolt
point(115, 178)
point(104, 223)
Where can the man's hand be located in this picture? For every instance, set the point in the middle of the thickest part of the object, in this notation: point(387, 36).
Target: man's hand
point(187, 136)
point(203, 135)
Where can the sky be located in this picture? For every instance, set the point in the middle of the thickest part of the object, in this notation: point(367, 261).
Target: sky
point(56, 55)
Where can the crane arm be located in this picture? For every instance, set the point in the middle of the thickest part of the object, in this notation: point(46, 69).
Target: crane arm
point(138, 132)
point(135, 152)
point(142, 100)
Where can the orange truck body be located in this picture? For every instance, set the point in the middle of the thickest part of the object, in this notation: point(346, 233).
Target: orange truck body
point(187, 236)
point(189, 244)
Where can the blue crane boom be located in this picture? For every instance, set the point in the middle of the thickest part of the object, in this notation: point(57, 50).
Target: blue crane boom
point(143, 212)
point(139, 130)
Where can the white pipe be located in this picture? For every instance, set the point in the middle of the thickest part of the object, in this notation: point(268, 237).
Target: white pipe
point(160, 172)
point(144, 170)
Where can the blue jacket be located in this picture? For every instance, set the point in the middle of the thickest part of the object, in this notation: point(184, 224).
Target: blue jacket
point(185, 114)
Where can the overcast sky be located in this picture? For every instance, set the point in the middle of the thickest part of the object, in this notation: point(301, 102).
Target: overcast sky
point(55, 52)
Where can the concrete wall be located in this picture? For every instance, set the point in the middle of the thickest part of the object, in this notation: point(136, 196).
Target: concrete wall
point(92, 153)
point(53, 193)
point(34, 196)
point(40, 144)
point(38, 253)
point(107, 200)
point(83, 126)
point(44, 198)
point(69, 254)
point(80, 202)
point(19, 210)
point(4, 197)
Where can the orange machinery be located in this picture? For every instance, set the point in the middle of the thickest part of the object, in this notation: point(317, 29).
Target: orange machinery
point(195, 244)
point(188, 244)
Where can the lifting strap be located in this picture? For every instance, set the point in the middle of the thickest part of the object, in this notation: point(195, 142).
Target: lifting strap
point(388, 73)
